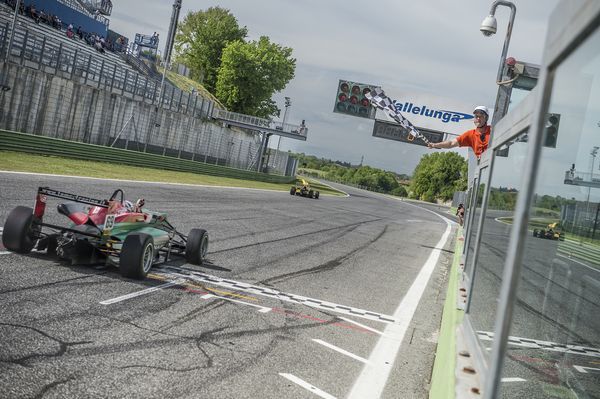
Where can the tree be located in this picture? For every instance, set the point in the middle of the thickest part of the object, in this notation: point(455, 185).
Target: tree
point(439, 175)
point(200, 41)
point(251, 73)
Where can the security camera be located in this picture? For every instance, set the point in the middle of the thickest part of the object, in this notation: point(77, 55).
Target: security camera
point(488, 26)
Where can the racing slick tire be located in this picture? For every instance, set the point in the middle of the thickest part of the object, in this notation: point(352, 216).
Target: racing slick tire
point(137, 256)
point(292, 190)
point(535, 233)
point(316, 195)
point(19, 235)
point(310, 193)
point(196, 246)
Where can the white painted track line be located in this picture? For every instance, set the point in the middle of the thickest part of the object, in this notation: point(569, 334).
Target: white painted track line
point(142, 292)
point(307, 386)
point(360, 325)
point(513, 379)
point(261, 309)
point(340, 350)
point(373, 378)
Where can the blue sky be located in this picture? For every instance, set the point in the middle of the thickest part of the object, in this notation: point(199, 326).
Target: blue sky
point(432, 47)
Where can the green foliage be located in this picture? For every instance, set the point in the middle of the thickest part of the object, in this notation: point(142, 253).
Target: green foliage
point(250, 73)
point(438, 176)
point(364, 176)
point(502, 198)
point(200, 41)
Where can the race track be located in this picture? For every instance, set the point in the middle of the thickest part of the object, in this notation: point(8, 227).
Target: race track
point(299, 298)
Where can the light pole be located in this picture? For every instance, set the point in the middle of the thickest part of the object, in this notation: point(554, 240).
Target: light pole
point(288, 104)
point(167, 59)
point(488, 28)
point(169, 44)
point(504, 311)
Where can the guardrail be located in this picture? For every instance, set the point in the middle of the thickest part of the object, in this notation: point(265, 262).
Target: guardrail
point(33, 144)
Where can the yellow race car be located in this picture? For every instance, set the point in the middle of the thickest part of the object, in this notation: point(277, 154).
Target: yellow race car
point(551, 233)
point(304, 190)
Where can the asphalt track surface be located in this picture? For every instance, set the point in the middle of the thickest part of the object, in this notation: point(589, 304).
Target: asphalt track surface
point(294, 300)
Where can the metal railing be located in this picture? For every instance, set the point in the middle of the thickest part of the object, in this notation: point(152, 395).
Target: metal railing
point(261, 123)
point(83, 63)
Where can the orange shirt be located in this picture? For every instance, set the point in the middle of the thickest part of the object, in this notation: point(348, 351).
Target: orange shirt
point(472, 138)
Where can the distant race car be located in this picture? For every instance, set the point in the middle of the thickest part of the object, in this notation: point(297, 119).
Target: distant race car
point(304, 190)
point(550, 233)
point(113, 231)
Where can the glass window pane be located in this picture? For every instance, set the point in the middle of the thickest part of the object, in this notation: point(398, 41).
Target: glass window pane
point(555, 332)
point(495, 234)
point(483, 178)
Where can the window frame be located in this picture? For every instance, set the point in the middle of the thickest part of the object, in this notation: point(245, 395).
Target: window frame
point(571, 22)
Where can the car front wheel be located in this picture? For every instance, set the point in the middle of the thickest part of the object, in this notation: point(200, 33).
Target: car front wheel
point(137, 256)
point(196, 246)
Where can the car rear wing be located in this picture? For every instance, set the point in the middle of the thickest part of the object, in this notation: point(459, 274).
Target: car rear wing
point(44, 192)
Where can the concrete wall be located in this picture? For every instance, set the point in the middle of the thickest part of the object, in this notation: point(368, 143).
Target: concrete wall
point(50, 105)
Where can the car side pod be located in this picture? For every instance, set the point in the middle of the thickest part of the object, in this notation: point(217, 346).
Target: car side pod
point(196, 246)
point(137, 256)
point(20, 232)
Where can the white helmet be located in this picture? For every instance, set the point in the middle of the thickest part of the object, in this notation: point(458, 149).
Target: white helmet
point(483, 109)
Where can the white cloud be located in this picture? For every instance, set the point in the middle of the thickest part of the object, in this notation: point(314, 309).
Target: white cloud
point(431, 46)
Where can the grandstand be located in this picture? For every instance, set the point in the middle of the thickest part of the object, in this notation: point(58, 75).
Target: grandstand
point(99, 96)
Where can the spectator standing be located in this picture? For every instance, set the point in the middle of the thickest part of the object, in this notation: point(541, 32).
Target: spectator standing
point(460, 212)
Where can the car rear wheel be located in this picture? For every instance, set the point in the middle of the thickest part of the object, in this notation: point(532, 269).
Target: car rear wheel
point(196, 246)
point(137, 256)
point(316, 195)
point(292, 190)
point(20, 233)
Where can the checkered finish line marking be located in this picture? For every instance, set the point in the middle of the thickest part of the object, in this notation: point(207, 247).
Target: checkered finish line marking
point(175, 273)
point(543, 345)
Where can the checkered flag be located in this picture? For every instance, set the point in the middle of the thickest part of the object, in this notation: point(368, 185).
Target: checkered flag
point(384, 103)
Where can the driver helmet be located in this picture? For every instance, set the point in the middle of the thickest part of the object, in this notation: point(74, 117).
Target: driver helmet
point(482, 108)
point(129, 206)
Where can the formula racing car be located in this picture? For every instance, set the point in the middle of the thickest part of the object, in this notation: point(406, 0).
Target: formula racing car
point(113, 231)
point(551, 233)
point(304, 190)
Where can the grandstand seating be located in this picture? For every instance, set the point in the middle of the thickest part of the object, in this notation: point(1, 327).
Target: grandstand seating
point(44, 30)
point(68, 14)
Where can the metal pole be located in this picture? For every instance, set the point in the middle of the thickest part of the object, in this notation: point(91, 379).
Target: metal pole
point(500, 107)
point(12, 30)
point(169, 43)
point(587, 201)
point(288, 104)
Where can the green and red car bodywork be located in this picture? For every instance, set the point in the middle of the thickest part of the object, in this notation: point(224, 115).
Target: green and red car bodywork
point(102, 231)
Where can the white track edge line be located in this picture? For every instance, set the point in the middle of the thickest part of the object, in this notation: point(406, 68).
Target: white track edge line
point(307, 386)
point(372, 380)
point(340, 350)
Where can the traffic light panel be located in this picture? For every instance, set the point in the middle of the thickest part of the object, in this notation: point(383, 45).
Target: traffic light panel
point(551, 130)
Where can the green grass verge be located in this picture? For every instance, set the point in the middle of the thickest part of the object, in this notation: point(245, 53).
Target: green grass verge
point(442, 377)
point(22, 162)
point(317, 172)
